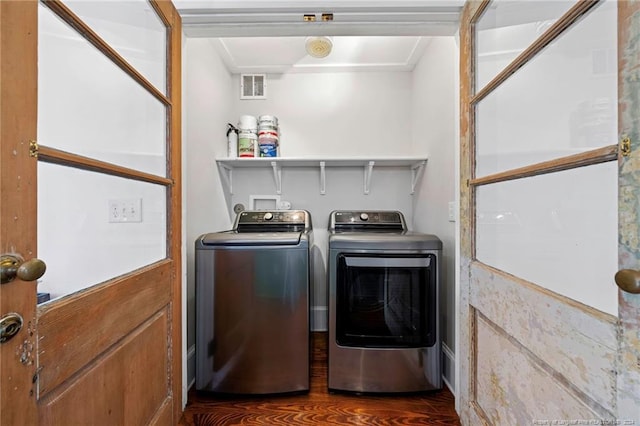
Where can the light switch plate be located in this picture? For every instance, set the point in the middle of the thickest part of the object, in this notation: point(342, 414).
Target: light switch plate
point(125, 210)
point(452, 211)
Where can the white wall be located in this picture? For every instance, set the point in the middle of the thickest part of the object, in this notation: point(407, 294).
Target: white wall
point(434, 124)
point(207, 96)
point(337, 114)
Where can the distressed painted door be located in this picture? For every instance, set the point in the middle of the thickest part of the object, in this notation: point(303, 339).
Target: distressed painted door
point(106, 348)
point(549, 213)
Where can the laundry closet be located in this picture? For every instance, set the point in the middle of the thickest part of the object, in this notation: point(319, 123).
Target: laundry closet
point(353, 135)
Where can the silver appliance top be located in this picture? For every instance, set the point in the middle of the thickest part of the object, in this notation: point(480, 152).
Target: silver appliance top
point(234, 238)
point(367, 221)
point(263, 228)
point(376, 230)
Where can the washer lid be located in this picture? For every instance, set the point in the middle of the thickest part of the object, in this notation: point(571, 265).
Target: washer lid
point(233, 238)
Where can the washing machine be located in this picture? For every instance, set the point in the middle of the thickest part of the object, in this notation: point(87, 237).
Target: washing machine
point(383, 305)
point(252, 305)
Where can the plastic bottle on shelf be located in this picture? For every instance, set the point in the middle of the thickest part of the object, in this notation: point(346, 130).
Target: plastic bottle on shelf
point(248, 137)
point(268, 135)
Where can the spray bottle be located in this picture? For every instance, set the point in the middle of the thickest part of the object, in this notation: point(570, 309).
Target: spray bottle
point(232, 139)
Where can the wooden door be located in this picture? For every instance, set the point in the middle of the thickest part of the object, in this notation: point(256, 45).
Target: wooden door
point(110, 352)
point(546, 337)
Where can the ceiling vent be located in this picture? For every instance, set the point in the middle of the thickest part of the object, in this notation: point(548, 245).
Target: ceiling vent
point(253, 86)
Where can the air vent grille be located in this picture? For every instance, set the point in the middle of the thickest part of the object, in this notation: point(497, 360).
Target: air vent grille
point(253, 86)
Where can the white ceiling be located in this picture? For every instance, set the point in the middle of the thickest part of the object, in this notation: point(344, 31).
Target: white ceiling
point(287, 54)
point(268, 36)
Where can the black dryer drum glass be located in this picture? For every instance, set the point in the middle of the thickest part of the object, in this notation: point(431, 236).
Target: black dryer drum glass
point(386, 301)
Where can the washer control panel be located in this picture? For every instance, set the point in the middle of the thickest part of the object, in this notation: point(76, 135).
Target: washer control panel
point(273, 218)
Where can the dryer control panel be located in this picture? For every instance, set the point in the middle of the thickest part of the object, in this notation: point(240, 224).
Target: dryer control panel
point(364, 220)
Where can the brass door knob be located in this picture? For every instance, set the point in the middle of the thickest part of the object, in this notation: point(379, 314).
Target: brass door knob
point(12, 266)
point(628, 280)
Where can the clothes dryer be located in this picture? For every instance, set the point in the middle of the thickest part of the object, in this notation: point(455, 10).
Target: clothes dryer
point(383, 304)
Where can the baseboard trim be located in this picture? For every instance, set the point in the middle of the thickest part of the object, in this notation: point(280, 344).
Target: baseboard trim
point(446, 382)
point(448, 367)
point(319, 319)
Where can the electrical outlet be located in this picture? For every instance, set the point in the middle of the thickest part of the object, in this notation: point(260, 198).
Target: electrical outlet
point(125, 210)
point(452, 211)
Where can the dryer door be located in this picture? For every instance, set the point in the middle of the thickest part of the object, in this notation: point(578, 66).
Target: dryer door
point(386, 301)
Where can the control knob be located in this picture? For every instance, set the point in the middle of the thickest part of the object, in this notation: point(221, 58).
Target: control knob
point(268, 216)
point(364, 216)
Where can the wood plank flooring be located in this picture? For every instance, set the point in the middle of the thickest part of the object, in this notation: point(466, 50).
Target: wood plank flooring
point(319, 407)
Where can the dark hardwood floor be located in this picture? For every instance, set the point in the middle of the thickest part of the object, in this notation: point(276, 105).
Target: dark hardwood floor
point(319, 407)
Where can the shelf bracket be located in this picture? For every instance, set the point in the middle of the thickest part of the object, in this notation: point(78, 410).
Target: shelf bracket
point(416, 173)
point(277, 176)
point(368, 171)
point(323, 179)
point(227, 176)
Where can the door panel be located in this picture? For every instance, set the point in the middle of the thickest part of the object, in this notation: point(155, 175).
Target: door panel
point(138, 364)
point(87, 232)
point(538, 354)
point(111, 353)
point(90, 106)
point(576, 100)
point(583, 341)
point(134, 31)
point(116, 309)
point(505, 361)
point(563, 238)
point(500, 38)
